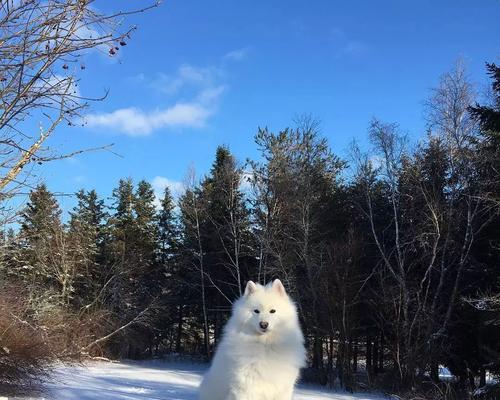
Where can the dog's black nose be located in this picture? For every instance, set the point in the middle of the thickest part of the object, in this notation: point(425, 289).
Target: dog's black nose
point(264, 325)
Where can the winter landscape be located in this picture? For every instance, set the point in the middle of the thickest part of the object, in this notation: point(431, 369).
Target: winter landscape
point(151, 380)
point(267, 186)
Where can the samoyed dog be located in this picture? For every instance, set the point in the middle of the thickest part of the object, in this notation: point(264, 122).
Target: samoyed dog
point(262, 349)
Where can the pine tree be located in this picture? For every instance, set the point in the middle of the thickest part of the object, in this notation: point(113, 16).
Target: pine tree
point(489, 115)
point(168, 230)
point(40, 227)
point(145, 223)
point(193, 269)
point(226, 234)
point(133, 245)
point(40, 215)
point(87, 234)
point(227, 229)
point(122, 255)
point(90, 213)
point(485, 287)
point(174, 291)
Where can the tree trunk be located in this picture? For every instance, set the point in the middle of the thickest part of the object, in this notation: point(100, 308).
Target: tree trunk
point(434, 372)
point(368, 356)
point(355, 355)
point(317, 352)
point(180, 320)
point(482, 377)
point(381, 354)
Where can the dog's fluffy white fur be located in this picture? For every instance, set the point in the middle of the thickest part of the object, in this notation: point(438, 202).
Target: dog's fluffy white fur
point(255, 361)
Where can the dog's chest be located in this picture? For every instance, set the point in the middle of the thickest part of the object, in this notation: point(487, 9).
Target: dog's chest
point(267, 370)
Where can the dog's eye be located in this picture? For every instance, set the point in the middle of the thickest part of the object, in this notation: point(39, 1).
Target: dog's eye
point(256, 311)
point(272, 311)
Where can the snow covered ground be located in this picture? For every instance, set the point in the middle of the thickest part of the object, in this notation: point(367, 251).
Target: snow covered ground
point(152, 380)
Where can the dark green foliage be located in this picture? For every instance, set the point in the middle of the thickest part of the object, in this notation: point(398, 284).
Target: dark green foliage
point(489, 115)
point(40, 231)
point(88, 236)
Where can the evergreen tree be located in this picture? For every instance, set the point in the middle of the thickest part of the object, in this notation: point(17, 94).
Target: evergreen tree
point(227, 228)
point(40, 215)
point(482, 313)
point(133, 245)
point(87, 235)
point(168, 230)
point(227, 235)
point(174, 288)
point(40, 227)
point(122, 254)
point(145, 223)
point(193, 270)
point(489, 115)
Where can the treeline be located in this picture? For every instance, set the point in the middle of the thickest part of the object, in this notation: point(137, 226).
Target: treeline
point(392, 256)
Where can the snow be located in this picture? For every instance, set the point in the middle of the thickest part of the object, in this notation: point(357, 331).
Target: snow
point(150, 380)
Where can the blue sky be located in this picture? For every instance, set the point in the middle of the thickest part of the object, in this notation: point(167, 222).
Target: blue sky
point(200, 73)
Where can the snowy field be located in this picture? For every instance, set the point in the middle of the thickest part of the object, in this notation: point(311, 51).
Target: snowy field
point(152, 380)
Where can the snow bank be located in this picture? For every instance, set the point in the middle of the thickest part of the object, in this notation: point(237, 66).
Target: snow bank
point(151, 380)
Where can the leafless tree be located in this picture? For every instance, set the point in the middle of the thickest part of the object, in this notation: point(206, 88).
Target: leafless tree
point(425, 245)
point(43, 45)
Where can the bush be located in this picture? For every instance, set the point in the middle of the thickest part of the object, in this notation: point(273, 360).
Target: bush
point(25, 355)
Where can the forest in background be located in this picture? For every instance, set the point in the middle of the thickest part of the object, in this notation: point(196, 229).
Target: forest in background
point(392, 255)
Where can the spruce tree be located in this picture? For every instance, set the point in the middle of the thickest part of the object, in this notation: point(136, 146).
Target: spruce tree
point(168, 229)
point(87, 235)
point(133, 244)
point(479, 320)
point(227, 228)
point(145, 223)
point(40, 227)
point(122, 255)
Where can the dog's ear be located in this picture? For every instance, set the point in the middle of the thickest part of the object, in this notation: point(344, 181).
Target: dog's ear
point(279, 288)
point(250, 288)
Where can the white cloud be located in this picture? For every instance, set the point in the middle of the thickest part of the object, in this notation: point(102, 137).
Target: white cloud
point(136, 122)
point(201, 86)
point(159, 184)
point(133, 121)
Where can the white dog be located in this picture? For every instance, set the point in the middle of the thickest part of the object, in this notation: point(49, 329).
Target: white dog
point(262, 350)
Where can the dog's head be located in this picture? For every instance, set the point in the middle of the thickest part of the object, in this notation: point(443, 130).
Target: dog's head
point(264, 309)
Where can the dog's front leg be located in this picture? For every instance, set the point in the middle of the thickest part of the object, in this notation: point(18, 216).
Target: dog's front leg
point(239, 394)
point(287, 394)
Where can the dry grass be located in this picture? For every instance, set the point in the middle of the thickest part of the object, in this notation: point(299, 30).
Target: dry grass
point(25, 355)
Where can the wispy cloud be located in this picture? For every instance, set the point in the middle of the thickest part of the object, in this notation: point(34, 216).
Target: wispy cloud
point(186, 76)
point(201, 86)
point(236, 55)
point(346, 45)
